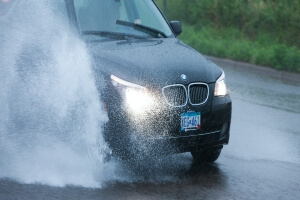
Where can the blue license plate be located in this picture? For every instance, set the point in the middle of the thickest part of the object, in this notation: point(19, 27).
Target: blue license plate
point(190, 121)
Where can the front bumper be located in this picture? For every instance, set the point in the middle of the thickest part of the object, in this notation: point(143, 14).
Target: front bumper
point(160, 130)
point(215, 131)
point(153, 133)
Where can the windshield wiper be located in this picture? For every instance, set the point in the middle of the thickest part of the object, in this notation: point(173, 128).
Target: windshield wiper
point(146, 29)
point(113, 35)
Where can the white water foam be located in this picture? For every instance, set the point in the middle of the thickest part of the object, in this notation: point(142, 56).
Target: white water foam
point(51, 115)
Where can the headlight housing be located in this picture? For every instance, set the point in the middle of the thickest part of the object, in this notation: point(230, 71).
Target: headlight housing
point(136, 97)
point(220, 87)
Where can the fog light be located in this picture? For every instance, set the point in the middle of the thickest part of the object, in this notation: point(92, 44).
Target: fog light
point(224, 131)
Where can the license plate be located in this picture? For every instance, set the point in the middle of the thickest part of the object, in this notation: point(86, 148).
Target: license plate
point(190, 121)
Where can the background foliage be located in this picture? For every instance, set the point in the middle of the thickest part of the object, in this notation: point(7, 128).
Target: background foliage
point(265, 32)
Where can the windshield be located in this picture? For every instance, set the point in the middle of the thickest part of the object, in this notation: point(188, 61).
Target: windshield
point(127, 17)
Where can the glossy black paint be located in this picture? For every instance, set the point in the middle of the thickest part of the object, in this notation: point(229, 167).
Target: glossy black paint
point(155, 63)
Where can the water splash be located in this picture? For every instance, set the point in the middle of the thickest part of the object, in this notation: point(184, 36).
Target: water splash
point(51, 114)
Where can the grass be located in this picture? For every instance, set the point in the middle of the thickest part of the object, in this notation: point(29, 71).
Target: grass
point(231, 43)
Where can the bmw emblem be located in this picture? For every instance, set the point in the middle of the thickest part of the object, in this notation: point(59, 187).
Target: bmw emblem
point(183, 77)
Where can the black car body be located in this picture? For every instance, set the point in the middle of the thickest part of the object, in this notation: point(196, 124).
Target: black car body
point(161, 96)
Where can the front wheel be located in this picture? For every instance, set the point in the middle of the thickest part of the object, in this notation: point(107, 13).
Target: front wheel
point(206, 155)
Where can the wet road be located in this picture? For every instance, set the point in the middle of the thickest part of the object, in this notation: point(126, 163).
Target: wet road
point(262, 160)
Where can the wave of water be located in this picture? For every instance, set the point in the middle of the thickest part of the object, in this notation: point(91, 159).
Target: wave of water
point(51, 114)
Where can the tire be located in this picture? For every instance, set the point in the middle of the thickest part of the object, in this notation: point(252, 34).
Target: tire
point(207, 155)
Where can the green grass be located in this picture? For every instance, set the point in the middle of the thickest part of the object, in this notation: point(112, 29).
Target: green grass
point(231, 43)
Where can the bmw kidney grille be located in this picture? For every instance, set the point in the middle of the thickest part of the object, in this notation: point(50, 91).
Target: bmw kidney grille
point(178, 95)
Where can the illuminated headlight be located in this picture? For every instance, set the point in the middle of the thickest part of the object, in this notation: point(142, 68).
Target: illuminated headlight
point(136, 97)
point(220, 87)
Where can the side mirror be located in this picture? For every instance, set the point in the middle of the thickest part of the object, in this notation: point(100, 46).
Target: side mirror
point(176, 26)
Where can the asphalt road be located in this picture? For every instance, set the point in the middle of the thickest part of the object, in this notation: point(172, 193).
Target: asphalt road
point(262, 160)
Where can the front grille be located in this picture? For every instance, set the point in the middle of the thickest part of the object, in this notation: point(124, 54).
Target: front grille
point(175, 95)
point(198, 93)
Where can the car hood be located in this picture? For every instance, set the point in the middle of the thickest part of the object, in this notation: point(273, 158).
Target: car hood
point(152, 62)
